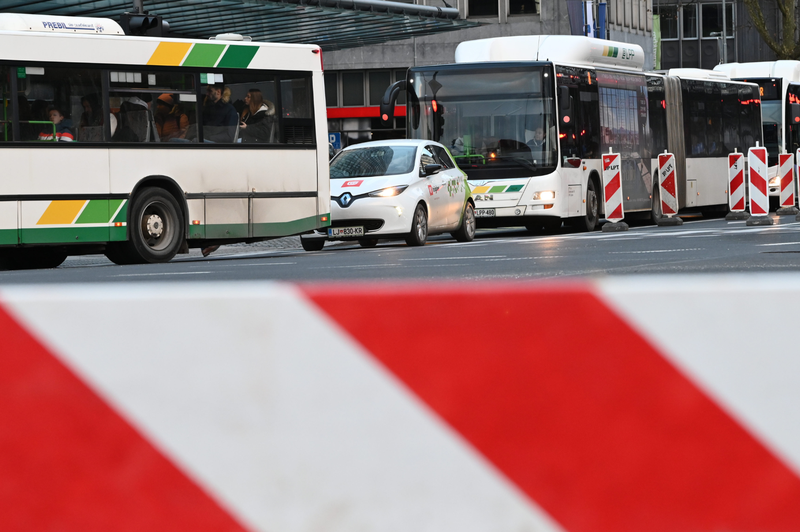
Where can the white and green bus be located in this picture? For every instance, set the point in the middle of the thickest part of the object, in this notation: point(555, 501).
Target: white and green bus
point(135, 146)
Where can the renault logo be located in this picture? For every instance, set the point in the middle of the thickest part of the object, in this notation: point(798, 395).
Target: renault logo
point(345, 199)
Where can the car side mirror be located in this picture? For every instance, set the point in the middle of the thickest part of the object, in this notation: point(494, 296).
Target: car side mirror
point(430, 169)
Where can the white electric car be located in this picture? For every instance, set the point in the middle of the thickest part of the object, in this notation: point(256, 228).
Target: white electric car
point(396, 189)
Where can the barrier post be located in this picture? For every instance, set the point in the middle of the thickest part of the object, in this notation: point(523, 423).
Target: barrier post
point(612, 192)
point(668, 193)
point(759, 199)
point(786, 172)
point(736, 187)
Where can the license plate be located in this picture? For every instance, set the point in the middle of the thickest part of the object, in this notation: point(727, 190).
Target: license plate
point(484, 213)
point(345, 232)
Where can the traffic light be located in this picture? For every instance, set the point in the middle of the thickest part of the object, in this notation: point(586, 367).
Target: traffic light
point(143, 24)
point(438, 120)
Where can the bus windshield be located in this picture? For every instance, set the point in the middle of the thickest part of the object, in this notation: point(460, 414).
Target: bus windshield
point(497, 122)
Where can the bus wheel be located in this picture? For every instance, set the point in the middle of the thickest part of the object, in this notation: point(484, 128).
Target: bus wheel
point(367, 242)
point(419, 228)
point(312, 244)
point(466, 233)
point(655, 207)
point(156, 232)
point(120, 253)
point(588, 221)
point(36, 258)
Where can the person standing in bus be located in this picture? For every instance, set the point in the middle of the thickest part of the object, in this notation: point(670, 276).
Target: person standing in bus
point(219, 117)
point(62, 132)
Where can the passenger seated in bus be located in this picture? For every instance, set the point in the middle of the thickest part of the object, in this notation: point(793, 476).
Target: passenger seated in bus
point(171, 121)
point(133, 121)
point(219, 117)
point(258, 119)
point(90, 127)
point(63, 131)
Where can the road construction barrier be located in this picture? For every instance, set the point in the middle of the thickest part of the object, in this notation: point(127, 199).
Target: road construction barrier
point(736, 183)
point(261, 407)
point(612, 192)
point(668, 190)
point(786, 173)
point(757, 166)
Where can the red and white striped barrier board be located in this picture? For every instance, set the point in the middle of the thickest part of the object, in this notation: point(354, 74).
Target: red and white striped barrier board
point(757, 165)
point(612, 187)
point(666, 179)
point(786, 171)
point(261, 407)
point(736, 182)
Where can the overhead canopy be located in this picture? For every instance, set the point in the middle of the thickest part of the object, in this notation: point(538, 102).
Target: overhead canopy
point(332, 24)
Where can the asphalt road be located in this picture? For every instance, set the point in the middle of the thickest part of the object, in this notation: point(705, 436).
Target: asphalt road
point(699, 246)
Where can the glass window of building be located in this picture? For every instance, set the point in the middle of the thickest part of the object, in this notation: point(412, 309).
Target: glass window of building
point(483, 8)
point(668, 16)
point(331, 89)
point(352, 89)
point(690, 21)
point(379, 81)
point(521, 7)
point(729, 20)
point(712, 19)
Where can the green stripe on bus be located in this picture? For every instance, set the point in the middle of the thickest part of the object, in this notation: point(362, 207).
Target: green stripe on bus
point(118, 234)
point(204, 55)
point(122, 215)
point(237, 56)
point(227, 231)
point(497, 189)
point(53, 235)
point(95, 212)
point(286, 228)
point(514, 188)
point(9, 236)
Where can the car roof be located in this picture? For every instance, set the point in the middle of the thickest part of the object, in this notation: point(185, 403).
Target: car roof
point(393, 142)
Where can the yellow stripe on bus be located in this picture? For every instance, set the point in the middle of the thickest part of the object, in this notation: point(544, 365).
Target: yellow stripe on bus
point(61, 212)
point(169, 53)
point(480, 190)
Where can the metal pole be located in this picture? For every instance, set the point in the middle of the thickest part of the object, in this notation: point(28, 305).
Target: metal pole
point(724, 56)
point(138, 6)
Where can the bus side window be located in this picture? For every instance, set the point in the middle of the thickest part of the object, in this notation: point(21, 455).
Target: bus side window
point(6, 129)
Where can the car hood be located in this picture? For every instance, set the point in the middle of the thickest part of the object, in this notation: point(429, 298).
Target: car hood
point(363, 185)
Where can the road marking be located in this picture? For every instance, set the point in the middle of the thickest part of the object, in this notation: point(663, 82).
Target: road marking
point(456, 258)
point(781, 244)
point(655, 251)
point(154, 274)
point(259, 264)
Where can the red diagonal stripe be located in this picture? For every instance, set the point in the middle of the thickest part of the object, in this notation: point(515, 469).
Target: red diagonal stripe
point(617, 214)
point(669, 184)
point(737, 181)
point(69, 463)
point(789, 201)
point(739, 205)
point(587, 419)
point(612, 186)
point(756, 208)
point(757, 181)
point(760, 153)
point(607, 160)
point(666, 209)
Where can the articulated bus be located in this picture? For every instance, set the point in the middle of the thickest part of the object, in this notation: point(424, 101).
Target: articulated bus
point(134, 147)
point(528, 118)
point(779, 85)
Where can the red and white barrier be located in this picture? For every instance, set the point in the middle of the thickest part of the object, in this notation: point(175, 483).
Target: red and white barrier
point(757, 164)
point(267, 407)
point(668, 189)
point(736, 182)
point(786, 171)
point(612, 187)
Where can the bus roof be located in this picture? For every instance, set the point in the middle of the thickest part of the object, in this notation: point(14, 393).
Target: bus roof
point(57, 24)
point(789, 70)
point(698, 73)
point(19, 42)
point(571, 49)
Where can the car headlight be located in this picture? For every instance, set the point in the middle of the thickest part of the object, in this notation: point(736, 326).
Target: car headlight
point(545, 195)
point(775, 181)
point(388, 192)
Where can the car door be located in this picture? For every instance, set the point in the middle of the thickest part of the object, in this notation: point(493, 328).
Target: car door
point(438, 199)
point(454, 183)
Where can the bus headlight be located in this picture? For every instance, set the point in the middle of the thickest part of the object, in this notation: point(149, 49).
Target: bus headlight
point(544, 195)
point(388, 192)
point(775, 181)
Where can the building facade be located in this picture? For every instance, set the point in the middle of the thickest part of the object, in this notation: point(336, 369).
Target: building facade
point(356, 78)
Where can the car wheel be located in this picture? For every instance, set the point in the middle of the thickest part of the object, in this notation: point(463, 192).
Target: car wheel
point(312, 244)
point(367, 242)
point(466, 233)
point(419, 227)
point(156, 230)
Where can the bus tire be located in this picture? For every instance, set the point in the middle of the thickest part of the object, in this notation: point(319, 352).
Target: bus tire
point(120, 253)
point(36, 258)
point(466, 233)
point(419, 227)
point(655, 204)
point(156, 226)
point(367, 242)
point(312, 244)
point(588, 222)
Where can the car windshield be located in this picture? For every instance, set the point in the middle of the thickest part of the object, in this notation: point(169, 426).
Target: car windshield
point(374, 161)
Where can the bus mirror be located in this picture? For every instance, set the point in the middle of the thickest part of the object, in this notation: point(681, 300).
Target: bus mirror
point(388, 101)
point(563, 98)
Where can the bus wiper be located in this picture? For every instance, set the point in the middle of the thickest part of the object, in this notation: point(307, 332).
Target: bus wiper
point(530, 165)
